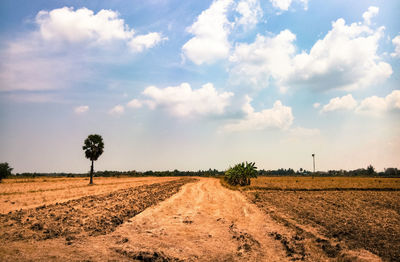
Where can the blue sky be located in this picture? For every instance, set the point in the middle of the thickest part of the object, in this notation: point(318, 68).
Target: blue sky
point(200, 84)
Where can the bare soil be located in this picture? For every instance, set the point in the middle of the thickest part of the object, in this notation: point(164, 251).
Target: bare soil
point(86, 216)
point(24, 193)
point(180, 220)
point(339, 220)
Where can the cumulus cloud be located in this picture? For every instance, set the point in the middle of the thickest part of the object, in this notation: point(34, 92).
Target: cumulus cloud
point(279, 116)
point(396, 43)
point(345, 58)
point(135, 103)
point(346, 102)
point(65, 24)
point(316, 105)
point(83, 25)
point(250, 13)
point(142, 42)
point(284, 5)
point(183, 101)
point(57, 54)
point(211, 29)
point(81, 109)
point(375, 105)
point(370, 13)
point(117, 110)
point(265, 59)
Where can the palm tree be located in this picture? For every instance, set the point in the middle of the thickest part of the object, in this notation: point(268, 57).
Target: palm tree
point(93, 147)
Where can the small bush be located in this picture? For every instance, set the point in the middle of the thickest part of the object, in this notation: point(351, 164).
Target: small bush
point(5, 170)
point(241, 173)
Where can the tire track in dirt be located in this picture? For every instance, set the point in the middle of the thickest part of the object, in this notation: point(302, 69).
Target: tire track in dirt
point(203, 222)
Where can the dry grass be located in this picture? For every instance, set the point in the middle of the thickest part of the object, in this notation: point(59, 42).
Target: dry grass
point(91, 215)
point(364, 213)
point(27, 193)
point(324, 183)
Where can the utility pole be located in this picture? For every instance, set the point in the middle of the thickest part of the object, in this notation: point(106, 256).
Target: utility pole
point(313, 157)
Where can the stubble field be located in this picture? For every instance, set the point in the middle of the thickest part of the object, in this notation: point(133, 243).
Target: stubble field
point(338, 213)
point(197, 219)
point(31, 192)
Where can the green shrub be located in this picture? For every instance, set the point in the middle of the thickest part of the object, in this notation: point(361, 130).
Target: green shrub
point(5, 170)
point(241, 173)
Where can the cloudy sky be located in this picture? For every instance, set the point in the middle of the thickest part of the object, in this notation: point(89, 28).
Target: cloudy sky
point(200, 84)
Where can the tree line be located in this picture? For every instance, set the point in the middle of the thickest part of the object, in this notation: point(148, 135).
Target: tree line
point(94, 147)
point(361, 172)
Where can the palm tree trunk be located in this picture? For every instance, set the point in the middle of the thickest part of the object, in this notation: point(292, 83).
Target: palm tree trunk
point(91, 174)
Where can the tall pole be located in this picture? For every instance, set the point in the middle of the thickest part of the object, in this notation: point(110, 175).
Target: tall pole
point(313, 157)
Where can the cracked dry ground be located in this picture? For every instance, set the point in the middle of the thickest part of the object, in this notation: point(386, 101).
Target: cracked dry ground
point(202, 222)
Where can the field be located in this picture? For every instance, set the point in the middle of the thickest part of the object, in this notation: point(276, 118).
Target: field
point(324, 183)
point(31, 192)
point(198, 219)
point(354, 213)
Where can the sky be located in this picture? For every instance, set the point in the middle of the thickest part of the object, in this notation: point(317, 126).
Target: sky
point(195, 85)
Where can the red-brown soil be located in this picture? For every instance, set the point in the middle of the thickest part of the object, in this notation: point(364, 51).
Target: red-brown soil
point(86, 216)
point(356, 219)
point(180, 220)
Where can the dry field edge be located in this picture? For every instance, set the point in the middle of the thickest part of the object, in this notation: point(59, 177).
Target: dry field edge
point(351, 213)
point(89, 215)
point(318, 189)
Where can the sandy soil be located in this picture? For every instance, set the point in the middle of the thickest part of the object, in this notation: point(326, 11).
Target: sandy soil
point(26, 193)
point(202, 222)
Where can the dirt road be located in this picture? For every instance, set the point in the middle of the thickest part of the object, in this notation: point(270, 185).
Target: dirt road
point(202, 222)
point(205, 222)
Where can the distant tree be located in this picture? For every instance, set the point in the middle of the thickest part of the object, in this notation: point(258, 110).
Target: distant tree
point(370, 170)
point(93, 147)
point(5, 170)
point(392, 172)
point(241, 173)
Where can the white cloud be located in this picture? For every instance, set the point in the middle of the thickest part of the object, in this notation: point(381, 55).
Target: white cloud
point(370, 13)
point(81, 109)
point(142, 42)
point(393, 100)
point(59, 53)
point(346, 58)
point(264, 59)
point(135, 103)
point(346, 102)
point(83, 25)
point(117, 110)
point(182, 101)
point(375, 105)
point(279, 116)
point(372, 105)
point(316, 105)
point(284, 5)
point(250, 11)
point(396, 43)
point(211, 29)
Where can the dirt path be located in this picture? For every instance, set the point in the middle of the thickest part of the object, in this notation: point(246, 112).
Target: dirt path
point(202, 222)
point(205, 222)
